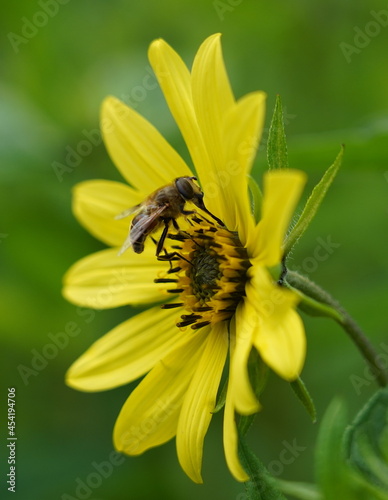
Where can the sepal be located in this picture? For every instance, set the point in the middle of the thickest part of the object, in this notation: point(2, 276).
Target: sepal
point(312, 204)
point(300, 390)
point(277, 155)
point(256, 198)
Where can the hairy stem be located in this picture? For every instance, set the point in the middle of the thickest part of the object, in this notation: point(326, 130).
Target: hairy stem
point(311, 289)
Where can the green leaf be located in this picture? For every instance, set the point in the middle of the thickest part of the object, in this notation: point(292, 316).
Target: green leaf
point(314, 308)
point(261, 485)
point(366, 442)
point(304, 397)
point(277, 156)
point(276, 271)
point(258, 376)
point(256, 198)
point(221, 398)
point(258, 372)
point(331, 471)
point(313, 204)
point(245, 422)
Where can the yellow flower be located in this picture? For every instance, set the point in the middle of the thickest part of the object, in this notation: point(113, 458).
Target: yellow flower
point(222, 298)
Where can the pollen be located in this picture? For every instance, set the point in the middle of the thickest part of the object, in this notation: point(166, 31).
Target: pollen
point(209, 265)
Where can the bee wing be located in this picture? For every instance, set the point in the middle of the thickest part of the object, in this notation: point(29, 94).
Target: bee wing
point(141, 227)
point(127, 243)
point(128, 211)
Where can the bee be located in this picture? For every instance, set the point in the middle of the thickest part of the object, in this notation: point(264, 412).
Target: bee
point(162, 207)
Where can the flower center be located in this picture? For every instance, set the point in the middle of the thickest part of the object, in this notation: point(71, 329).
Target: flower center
point(210, 267)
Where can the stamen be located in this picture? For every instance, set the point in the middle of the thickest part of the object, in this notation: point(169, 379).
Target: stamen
point(211, 274)
point(165, 280)
point(171, 306)
point(188, 322)
point(197, 326)
point(174, 270)
point(191, 316)
point(202, 309)
point(205, 237)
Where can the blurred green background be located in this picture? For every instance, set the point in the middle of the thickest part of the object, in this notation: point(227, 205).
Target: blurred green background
point(59, 59)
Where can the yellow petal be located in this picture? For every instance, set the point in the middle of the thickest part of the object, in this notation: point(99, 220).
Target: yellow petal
point(231, 435)
point(150, 415)
point(142, 155)
point(280, 337)
point(244, 325)
point(200, 401)
point(282, 190)
point(213, 98)
point(175, 81)
point(242, 131)
point(96, 203)
point(127, 352)
point(104, 279)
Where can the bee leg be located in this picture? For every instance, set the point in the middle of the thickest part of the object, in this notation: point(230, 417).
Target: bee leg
point(160, 245)
point(165, 258)
point(172, 256)
point(177, 228)
point(153, 240)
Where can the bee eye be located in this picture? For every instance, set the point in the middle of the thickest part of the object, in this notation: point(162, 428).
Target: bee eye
point(185, 188)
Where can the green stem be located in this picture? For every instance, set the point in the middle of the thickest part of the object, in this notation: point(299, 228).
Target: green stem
point(261, 485)
point(362, 342)
point(303, 491)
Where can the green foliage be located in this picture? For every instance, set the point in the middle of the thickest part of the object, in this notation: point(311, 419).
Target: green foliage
point(312, 204)
point(261, 485)
point(256, 198)
point(366, 442)
point(300, 390)
point(258, 376)
point(331, 470)
point(277, 155)
point(351, 463)
point(221, 397)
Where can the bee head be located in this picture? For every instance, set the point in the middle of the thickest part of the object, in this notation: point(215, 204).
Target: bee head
point(192, 192)
point(188, 189)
